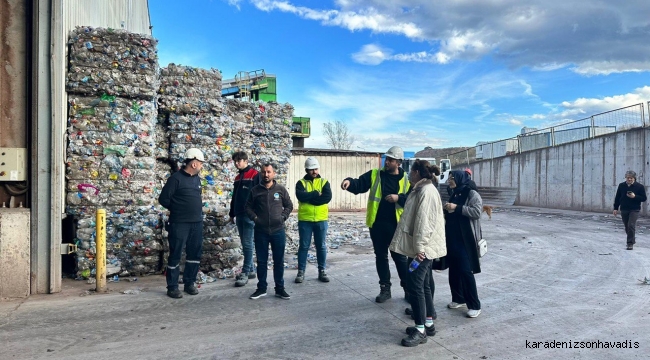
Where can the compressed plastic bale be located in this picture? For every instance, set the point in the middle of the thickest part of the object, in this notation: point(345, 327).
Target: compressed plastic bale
point(189, 105)
point(113, 49)
point(93, 81)
point(180, 71)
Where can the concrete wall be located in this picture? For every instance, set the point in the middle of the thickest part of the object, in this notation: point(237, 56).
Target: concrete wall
point(334, 167)
point(14, 253)
point(582, 175)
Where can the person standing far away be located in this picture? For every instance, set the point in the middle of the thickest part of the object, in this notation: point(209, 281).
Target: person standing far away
point(246, 179)
point(181, 195)
point(313, 193)
point(388, 187)
point(269, 206)
point(629, 196)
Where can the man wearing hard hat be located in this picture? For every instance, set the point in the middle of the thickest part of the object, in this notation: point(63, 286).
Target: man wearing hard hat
point(388, 187)
point(182, 196)
point(313, 193)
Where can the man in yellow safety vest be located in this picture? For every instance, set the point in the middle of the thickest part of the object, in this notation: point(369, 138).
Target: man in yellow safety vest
point(313, 193)
point(388, 187)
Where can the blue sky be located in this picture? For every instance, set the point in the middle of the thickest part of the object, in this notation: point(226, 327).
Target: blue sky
point(422, 73)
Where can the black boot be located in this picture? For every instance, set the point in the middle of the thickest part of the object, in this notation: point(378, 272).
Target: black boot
point(384, 294)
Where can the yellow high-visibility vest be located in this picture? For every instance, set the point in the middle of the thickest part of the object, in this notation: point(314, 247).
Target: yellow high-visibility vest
point(309, 212)
point(374, 197)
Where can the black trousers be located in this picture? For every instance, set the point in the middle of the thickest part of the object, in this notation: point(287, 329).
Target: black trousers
point(421, 294)
point(381, 234)
point(461, 279)
point(629, 221)
point(190, 237)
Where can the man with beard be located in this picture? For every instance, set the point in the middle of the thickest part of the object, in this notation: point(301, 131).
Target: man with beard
point(269, 206)
point(388, 187)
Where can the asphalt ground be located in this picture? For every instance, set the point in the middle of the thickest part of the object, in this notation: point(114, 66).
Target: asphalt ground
point(555, 285)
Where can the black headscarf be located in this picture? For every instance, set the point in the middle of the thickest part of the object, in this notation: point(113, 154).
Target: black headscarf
point(461, 178)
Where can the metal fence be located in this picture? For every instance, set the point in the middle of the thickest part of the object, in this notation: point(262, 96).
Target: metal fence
point(622, 119)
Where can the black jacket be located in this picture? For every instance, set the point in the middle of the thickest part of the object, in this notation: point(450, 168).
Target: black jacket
point(244, 182)
point(269, 208)
point(389, 185)
point(626, 203)
point(182, 196)
point(313, 197)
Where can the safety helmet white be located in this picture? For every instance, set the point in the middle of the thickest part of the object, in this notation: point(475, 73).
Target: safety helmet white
point(194, 154)
point(311, 163)
point(395, 152)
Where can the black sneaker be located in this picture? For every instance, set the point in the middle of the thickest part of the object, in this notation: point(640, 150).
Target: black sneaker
point(252, 275)
point(282, 294)
point(322, 276)
point(191, 289)
point(429, 330)
point(174, 294)
point(384, 294)
point(630, 246)
point(414, 339)
point(258, 294)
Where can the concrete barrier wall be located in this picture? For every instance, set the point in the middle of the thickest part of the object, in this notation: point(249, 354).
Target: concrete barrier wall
point(582, 175)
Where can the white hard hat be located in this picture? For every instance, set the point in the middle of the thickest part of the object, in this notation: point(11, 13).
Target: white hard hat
point(194, 154)
point(311, 163)
point(395, 152)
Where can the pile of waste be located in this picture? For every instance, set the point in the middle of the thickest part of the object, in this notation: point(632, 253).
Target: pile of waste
point(198, 118)
point(111, 154)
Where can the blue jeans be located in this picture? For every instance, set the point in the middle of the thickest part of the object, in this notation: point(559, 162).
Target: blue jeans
point(305, 230)
point(245, 228)
point(277, 242)
point(190, 236)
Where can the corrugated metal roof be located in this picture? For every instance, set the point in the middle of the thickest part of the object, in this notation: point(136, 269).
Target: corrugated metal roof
point(312, 151)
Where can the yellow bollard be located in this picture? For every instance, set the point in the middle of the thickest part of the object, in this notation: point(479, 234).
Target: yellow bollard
point(100, 256)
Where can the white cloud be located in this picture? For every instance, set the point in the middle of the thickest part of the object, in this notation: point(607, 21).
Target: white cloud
point(235, 3)
point(407, 109)
point(371, 54)
point(364, 19)
point(601, 38)
point(515, 122)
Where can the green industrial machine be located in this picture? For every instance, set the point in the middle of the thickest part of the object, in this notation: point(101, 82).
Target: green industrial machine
point(257, 85)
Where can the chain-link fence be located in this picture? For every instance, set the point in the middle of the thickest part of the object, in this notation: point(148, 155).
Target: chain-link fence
point(626, 118)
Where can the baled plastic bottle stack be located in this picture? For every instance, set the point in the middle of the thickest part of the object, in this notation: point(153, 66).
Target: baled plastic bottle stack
point(114, 62)
point(111, 156)
point(196, 119)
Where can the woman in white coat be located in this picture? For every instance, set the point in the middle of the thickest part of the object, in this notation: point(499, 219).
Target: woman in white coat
point(420, 235)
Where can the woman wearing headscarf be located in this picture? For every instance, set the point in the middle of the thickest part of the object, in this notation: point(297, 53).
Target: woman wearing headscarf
point(463, 232)
point(420, 235)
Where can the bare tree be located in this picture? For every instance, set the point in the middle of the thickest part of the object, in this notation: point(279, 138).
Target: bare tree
point(338, 135)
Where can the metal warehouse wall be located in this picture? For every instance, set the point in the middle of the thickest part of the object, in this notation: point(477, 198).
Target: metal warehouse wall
point(131, 15)
point(335, 167)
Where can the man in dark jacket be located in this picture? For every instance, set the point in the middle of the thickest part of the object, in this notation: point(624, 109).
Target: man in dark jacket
point(388, 187)
point(313, 193)
point(269, 206)
point(182, 196)
point(245, 180)
point(629, 196)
